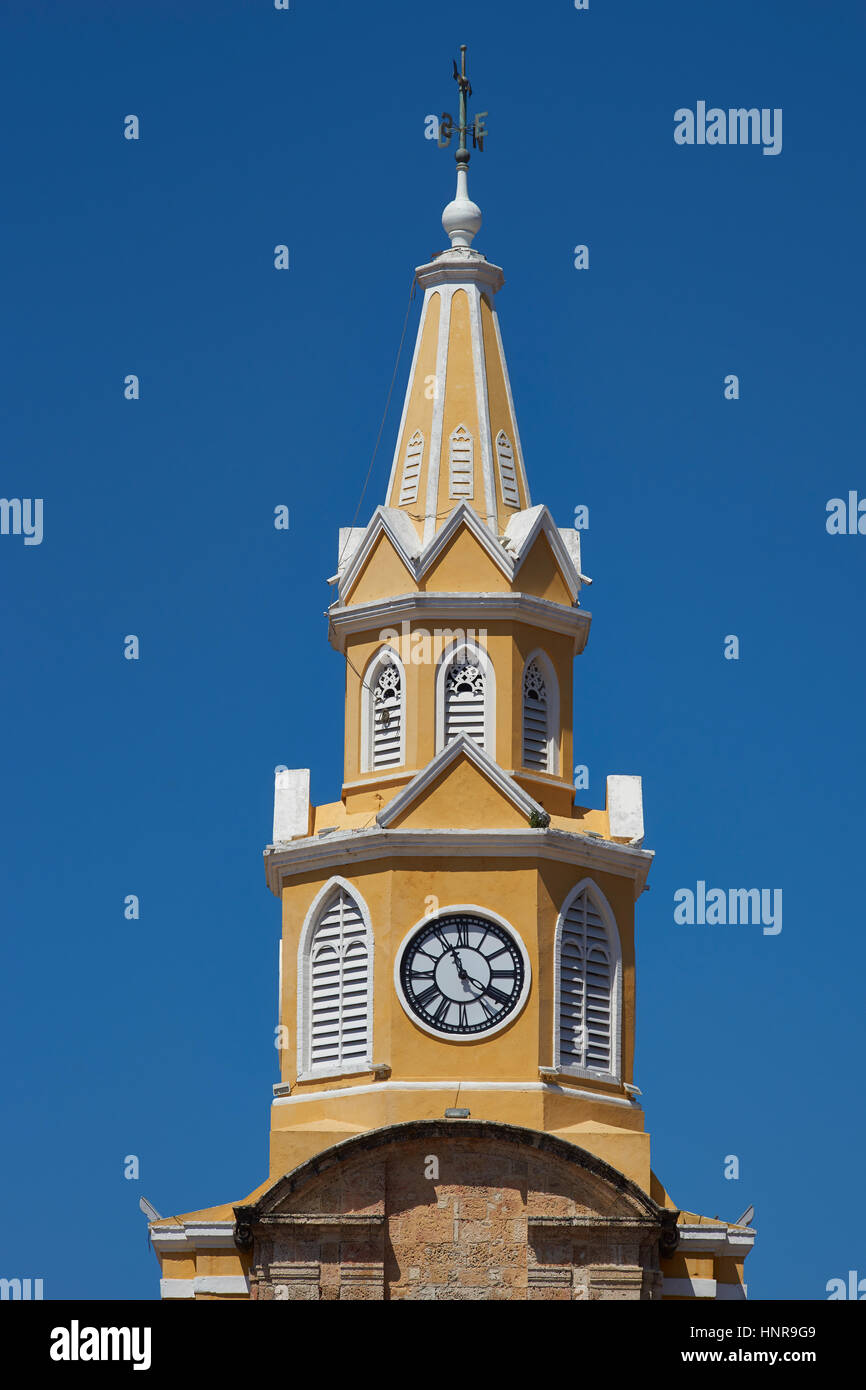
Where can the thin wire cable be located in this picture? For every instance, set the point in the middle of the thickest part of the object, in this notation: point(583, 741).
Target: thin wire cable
point(384, 418)
point(373, 459)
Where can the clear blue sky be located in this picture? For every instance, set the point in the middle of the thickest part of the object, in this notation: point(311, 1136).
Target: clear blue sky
point(707, 518)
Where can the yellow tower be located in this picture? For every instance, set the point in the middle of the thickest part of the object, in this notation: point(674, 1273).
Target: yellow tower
point(456, 1116)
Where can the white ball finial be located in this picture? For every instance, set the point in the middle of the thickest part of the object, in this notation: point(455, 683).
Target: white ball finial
point(462, 218)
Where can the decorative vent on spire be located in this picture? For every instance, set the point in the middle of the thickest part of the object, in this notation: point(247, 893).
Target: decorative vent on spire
point(461, 463)
point(412, 469)
point(507, 474)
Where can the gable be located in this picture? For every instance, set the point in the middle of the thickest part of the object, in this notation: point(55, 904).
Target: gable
point(382, 574)
point(539, 574)
point(462, 795)
point(464, 567)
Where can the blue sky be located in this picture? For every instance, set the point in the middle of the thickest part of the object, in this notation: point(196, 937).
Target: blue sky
point(260, 388)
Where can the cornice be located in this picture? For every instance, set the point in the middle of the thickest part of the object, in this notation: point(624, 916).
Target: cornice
point(285, 861)
point(449, 268)
point(470, 608)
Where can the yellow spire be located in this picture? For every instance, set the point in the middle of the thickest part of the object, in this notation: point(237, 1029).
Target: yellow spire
point(458, 440)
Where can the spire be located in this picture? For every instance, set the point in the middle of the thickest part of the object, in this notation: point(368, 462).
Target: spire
point(462, 218)
point(458, 444)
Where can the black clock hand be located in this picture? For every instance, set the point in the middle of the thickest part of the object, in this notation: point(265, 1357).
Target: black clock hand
point(446, 946)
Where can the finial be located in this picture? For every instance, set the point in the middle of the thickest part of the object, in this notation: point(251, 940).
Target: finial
point(462, 218)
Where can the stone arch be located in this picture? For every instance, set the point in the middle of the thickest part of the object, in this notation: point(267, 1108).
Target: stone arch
point(511, 1213)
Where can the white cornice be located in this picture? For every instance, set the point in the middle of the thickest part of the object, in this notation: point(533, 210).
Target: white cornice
point(204, 1283)
point(469, 268)
point(427, 776)
point(285, 861)
point(469, 608)
point(537, 1087)
point(703, 1238)
point(193, 1235)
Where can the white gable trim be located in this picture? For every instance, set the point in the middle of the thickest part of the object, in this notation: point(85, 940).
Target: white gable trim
point(464, 514)
point(521, 533)
point(427, 776)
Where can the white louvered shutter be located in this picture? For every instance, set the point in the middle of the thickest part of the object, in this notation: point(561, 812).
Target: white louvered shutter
point(461, 457)
point(339, 1019)
point(464, 702)
point(536, 735)
point(411, 469)
point(507, 473)
point(387, 708)
point(585, 989)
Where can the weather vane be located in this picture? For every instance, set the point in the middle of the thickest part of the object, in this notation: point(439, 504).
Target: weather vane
point(446, 125)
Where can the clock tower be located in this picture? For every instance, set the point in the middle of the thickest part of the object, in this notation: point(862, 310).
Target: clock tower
point(456, 1115)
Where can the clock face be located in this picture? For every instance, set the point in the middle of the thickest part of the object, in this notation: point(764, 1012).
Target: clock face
point(461, 975)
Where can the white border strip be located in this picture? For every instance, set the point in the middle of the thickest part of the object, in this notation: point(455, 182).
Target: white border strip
point(204, 1283)
point(449, 1086)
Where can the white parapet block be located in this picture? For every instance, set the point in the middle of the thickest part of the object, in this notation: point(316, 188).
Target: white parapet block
point(291, 803)
point(625, 808)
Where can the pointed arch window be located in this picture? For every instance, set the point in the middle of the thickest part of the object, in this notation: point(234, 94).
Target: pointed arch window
point(411, 469)
point(507, 472)
point(383, 710)
point(335, 973)
point(587, 1015)
point(461, 461)
point(540, 715)
point(466, 697)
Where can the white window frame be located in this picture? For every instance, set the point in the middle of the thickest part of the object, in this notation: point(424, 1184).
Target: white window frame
point(409, 485)
point(604, 910)
point(384, 656)
point(542, 660)
point(471, 651)
point(462, 488)
point(509, 486)
point(357, 1066)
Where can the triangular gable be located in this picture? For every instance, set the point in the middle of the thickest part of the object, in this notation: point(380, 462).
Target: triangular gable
point(461, 786)
point(540, 574)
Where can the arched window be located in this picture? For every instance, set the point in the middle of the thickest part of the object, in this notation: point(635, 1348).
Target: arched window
point(466, 697)
point(588, 970)
point(383, 706)
point(335, 974)
point(460, 461)
point(540, 715)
